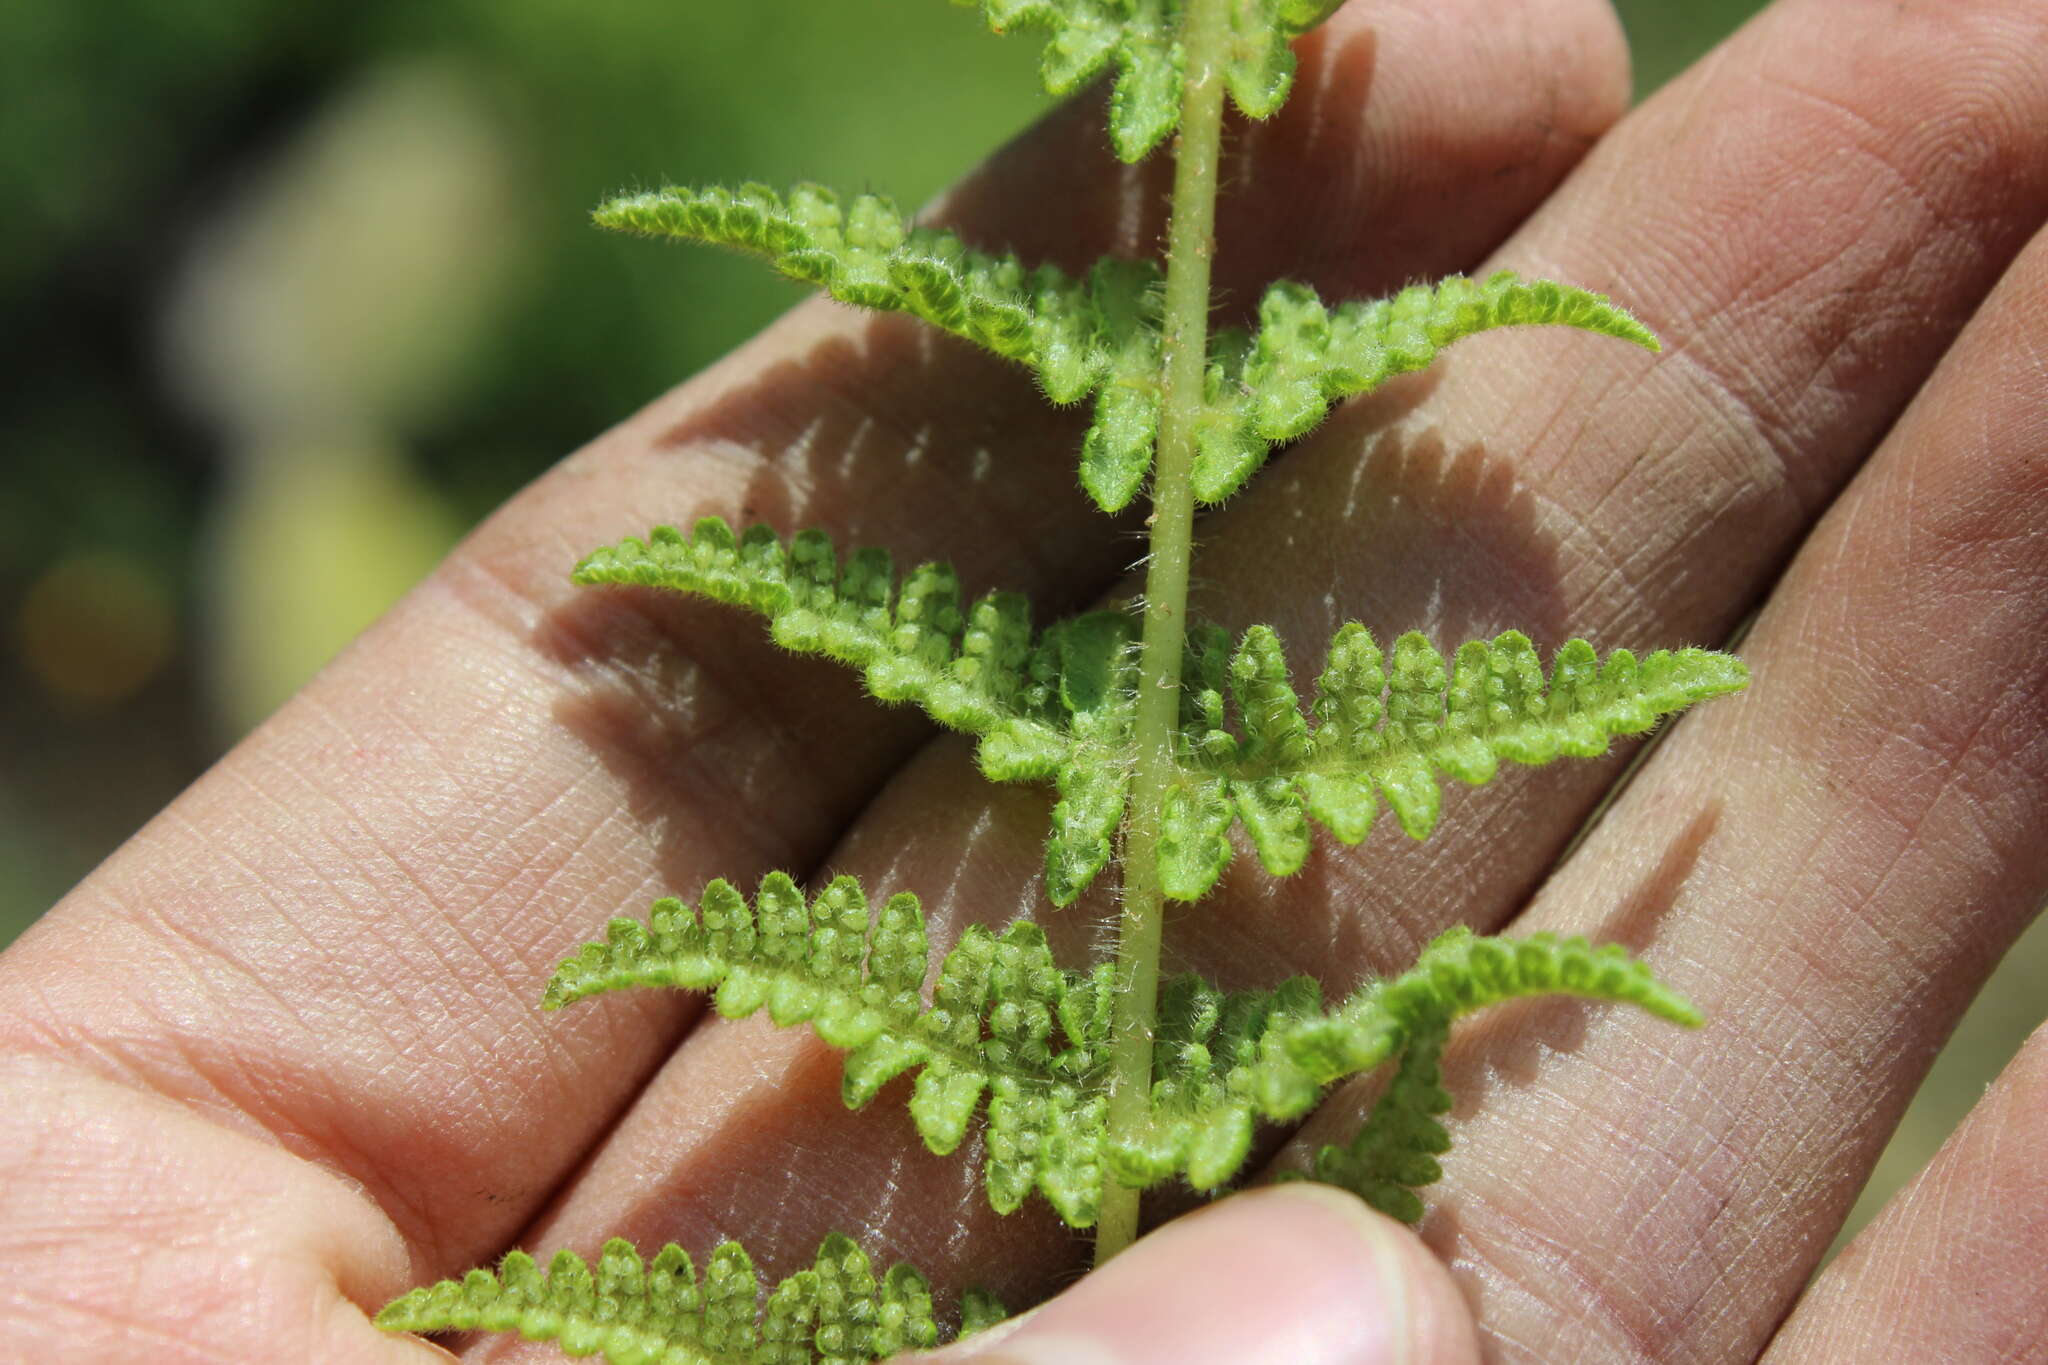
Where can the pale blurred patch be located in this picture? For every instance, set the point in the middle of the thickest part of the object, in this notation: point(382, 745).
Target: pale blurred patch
point(309, 546)
point(326, 310)
point(347, 283)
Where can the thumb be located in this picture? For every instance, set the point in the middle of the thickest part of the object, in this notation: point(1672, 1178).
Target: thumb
point(1295, 1275)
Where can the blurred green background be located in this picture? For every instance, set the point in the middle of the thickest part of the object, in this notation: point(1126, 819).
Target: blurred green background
point(295, 293)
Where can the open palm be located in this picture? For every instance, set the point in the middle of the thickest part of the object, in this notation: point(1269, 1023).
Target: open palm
point(281, 1057)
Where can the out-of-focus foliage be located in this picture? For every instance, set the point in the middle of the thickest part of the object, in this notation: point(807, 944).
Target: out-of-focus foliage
point(232, 334)
point(1666, 36)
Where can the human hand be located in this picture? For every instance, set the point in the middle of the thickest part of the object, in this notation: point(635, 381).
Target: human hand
point(281, 1056)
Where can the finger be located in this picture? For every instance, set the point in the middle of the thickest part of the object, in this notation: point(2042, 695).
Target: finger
point(1300, 1275)
point(1951, 1270)
point(211, 1247)
point(1579, 531)
point(335, 939)
point(1830, 867)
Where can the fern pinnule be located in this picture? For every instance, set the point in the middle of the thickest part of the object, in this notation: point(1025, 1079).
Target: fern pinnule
point(866, 253)
point(1219, 1067)
point(1461, 972)
point(1278, 383)
point(1055, 704)
point(637, 1314)
point(1395, 1153)
point(1004, 1021)
point(1225, 1062)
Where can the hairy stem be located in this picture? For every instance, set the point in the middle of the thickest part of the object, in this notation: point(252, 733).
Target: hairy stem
point(1191, 242)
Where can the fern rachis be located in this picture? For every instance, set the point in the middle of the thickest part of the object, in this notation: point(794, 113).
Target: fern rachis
point(1161, 736)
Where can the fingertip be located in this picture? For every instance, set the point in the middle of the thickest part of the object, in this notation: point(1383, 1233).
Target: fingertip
point(1293, 1275)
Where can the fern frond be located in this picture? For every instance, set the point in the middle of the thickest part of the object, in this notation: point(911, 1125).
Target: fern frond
point(978, 669)
point(1306, 356)
point(868, 254)
point(1101, 335)
point(1058, 704)
point(631, 1313)
point(1396, 1152)
point(990, 1030)
point(1386, 732)
point(1141, 39)
point(1008, 1025)
point(1054, 705)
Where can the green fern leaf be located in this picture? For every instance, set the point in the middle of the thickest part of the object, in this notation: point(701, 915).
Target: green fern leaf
point(1381, 734)
point(995, 1027)
point(1396, 1152)
point(1270, 387)
point(1224, 1063)
point(976, 669)
point(835, 1313)
point(1281, 382)
point(1219, 1067)
point(1101, 336)
point(866, 253)
point(1058, 704)
point(1008, 1027)
point(1124, 347)
point(1141, 39)
point(1385, 733)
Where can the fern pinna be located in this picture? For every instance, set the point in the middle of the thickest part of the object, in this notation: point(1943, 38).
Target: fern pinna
point(1169, 744)
point(1006, 1023)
